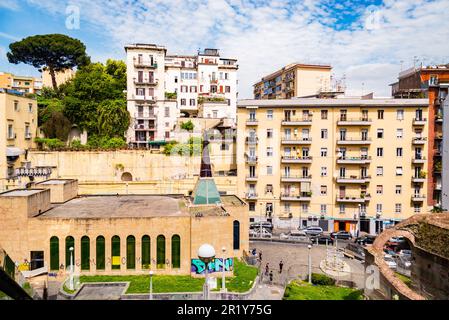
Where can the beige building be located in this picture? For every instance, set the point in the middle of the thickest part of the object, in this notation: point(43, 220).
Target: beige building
point(22, 84)
point(18, 127)
point(61, 77)
point(297, 80)
point(344, 164)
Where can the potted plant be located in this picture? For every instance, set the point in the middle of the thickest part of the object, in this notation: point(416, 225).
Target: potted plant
point(422, 174)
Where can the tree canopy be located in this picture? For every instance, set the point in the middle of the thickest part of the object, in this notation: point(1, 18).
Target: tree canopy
point(56, 52)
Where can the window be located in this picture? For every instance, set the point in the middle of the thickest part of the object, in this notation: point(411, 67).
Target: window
point(379, 189)
point(176, 251)
point(380, 114)
point(342, 208)
point(379, 208)
point(16, 105)
point(399, 171)
point(167, 109)
point(323, 171)
point(183, 103)
point(227, 89)
point(85, 253)
point(193, 89)
point(398, 189)
point(130, 252)
point(323, 133)
point(416, 208)
point(269, 151)
point(399, 133)
point(304, 208)
point(398, 208)
point(323, 208)
point(160, 248)
point(380, 152)
point(398, 152)
point(380, 133)
point(146, 252)
point(115, 252)
point(54, 253)
point(236, 238)
point(269, 133)
point(192, 102)
point(270, 114)
point(380, 171)
point(324, 152)
point(323, 190)
point(252, 206)
point(69, 243)
point(269, 188)
point(10, 131)
point(30, 107)
point(100, 253)
point(400, 114)
point(269, 170)
point(323, 114)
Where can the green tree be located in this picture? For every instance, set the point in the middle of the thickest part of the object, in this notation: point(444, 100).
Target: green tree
point(189, 126)
point(53, 51)
point(113, 118)
point(57, 126)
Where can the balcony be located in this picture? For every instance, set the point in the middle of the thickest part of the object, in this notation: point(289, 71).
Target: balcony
point(305, 121)
point(354, 141)
point(251, 122)
point(291, 178)
point(343, 121)
point(353, 199)
point(294, 140)
point(303, 196)
point(145, 82)
point(419, 140)
point(144, 127)
point(251, 159)
point(138, 63)
point(354, 160)
point(252, 140)
point(418, 197)
point(419, 121)
point(28, 136)
point(419, 178)
point(353, 179)
point(251, 195)
point(251, 178)
point(419, 160)
point(439, 118)
point(143, 115)
point(142, 98)
point(293, 159)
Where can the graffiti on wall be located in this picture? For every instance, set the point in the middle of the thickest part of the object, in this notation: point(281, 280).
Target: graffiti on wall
point(198, 266)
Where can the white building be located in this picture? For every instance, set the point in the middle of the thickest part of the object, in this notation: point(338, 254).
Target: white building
point(163, 88)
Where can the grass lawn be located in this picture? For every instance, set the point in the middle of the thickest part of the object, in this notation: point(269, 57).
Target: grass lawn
point(405, 279)
point(243, 280)
point(300, 290)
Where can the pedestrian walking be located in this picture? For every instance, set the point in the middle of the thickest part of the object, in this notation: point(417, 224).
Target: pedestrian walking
point(271, 277)
point(267, 269)
point(281, 265)
point(260, 255)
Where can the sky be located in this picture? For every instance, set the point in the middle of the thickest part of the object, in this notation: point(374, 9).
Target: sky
point(367, 41)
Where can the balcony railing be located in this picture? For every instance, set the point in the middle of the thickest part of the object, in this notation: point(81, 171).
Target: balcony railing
point(419, 159)
point(353, 179)
point(297, 121)
point(152, 82)
point(354, 121)
point(296, 140)
point(295, 159)
point(293, 178)
point(354, 141)
point(251, 195)
point(143, 115)
point(144, 63)
point(361, 159)
point(302, 196)
point(418, 197)
point(251, 122)
point(419, 121)
point(252, 140)
point(419, 140)
point(251, 177)
point(251, 159)
point(144, 127)
point(352, 198)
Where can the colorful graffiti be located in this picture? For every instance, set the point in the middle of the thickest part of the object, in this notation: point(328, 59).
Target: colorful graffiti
point(198, 266)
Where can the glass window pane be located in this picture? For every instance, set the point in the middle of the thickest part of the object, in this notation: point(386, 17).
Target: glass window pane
point(69, 243)
point(146, 252)
point(54, 253)
point(176, 251)
point(160, 243)
point(101, 256)
point(115, 250)
point(85, 253)
point(130, 252)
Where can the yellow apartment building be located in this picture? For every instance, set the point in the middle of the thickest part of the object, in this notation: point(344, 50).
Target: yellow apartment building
point(18, 126)
point(22, 84)
point(61, 77)
point(294, 80)
point(344, 164)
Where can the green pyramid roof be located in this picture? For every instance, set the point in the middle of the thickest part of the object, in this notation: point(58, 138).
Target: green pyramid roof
point(206, 192)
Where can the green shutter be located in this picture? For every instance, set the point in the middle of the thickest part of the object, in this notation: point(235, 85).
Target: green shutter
point(160, 252)
point(101, 257)
point(54, 253)
point(85, 253)
point(115, 252)
point(130, 252)
point(176, 251)
point(146, 252)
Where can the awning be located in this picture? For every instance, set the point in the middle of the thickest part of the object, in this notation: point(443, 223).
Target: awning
point(160, 142)
point(13, 152)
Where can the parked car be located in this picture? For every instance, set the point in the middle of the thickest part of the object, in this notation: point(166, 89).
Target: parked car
point(365, 240)
point(390, 261)
point(396, 240)
point(322, 239)
point(405, 253)
point(293, 235)
point(312, 231)
point(256, 234)
point(341, 235)
point(265, 225)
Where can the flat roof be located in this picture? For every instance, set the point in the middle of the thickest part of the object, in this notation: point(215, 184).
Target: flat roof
point(121, 206)
point(20, 192)
point(338, 102)
point(56, 181)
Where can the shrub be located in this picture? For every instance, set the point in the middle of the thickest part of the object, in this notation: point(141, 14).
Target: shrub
point(189, 126)
point(114, 143)
point(52, 144)
point(171, 95)
point(322, 280)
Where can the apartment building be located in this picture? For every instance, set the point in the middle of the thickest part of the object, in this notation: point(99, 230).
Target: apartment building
point(163, 88)
point(431, 82)
point(298, 80)
point(18, 127)
point(345, 164)
point(22, 84)
point(61, 77)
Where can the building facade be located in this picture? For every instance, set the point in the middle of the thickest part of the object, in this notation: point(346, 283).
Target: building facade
point(21, 84)
point(431, 82)
point(297, 80)
point(18, 127)
point(345, 164)
point(162, 88)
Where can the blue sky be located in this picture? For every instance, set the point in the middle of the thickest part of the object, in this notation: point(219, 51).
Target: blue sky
point(366, 41)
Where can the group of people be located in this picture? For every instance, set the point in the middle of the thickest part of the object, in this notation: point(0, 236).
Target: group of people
point(268, 273)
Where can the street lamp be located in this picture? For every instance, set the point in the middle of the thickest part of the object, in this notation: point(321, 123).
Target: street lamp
point(206, 253)
point(71, 287)
point(223, 280)
point(310, 264)
point(151, 284)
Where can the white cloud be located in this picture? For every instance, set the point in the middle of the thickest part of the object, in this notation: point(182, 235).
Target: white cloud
point(266, 36)
point(10, 4)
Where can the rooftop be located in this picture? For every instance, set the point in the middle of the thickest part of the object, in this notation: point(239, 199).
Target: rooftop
point(122, 206)
point(56, 181)
point(20, 192)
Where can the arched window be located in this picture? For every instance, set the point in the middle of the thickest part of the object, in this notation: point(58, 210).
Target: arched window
point(176, 251)
point(115, 251)
point(236, 226)
point(126, 176)
point(101, 257)
point(146, 252)
point(69, 243)
point(160, 244)
point(130, 252)
point(85, 253)
point(54, 253)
